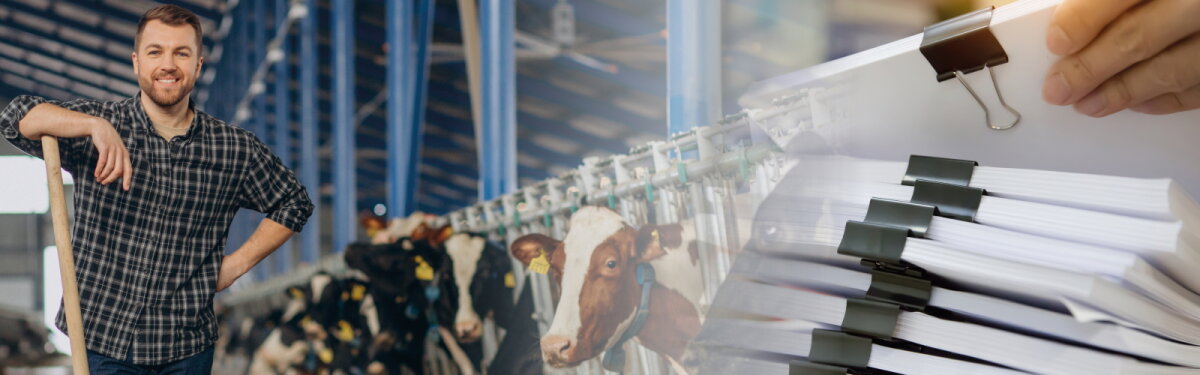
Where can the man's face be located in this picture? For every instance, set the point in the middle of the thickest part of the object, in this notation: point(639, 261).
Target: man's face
point(167, 62)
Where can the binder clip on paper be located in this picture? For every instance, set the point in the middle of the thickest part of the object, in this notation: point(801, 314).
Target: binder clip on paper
point(965, 44)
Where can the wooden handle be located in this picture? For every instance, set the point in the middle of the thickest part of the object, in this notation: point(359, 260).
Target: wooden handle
point(66, 257)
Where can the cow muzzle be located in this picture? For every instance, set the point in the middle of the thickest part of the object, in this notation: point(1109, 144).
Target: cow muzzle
point(558, 351)
point(468, 331)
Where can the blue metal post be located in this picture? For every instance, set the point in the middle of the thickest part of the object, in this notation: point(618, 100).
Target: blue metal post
point(425, 10)
point(283, 120)
point(259, 114)
point(309, 61)
point(401, 131)
point(343, 124)
point(498, 155)
point(407, 69)
point(693, 64)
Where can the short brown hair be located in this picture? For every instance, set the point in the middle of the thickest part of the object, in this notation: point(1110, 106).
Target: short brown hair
point(173, 15)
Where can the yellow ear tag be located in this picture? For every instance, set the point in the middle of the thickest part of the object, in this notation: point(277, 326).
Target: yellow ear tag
point(326, 355)
point(304, 321)
point(424, 271)
point(540, 264)
point(296, 293)
point(358, 292)
point(510, 281)
point(345, 333)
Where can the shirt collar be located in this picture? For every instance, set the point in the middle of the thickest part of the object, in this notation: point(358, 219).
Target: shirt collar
point(143, 121)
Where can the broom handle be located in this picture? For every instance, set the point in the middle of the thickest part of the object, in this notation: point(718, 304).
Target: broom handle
point(66, 257)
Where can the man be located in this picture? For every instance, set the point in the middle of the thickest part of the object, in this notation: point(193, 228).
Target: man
point(1142, 55)
point(151, 222)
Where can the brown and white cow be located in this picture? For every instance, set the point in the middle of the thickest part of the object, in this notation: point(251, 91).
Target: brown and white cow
point(595, 269)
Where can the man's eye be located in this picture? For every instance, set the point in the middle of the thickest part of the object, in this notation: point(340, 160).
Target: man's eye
point(153, 53)
point(182, 54)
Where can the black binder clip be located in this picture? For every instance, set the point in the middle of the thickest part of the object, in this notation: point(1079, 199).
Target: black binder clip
point(965, 44)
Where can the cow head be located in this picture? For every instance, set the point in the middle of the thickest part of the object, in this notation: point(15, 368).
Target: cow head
point(595, 269)
point(483, 278)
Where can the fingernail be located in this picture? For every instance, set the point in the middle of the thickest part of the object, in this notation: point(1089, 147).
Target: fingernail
point(1092, 105)
point(1056, 90)
point(1057, 41)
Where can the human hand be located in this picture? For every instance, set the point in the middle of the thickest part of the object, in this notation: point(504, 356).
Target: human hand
point(1125, 54)
point(231, 269)
point(114, 158)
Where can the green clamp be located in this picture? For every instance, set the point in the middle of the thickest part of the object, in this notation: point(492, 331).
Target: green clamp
point(612, 201)
point(913, 216)
point(910, 293)
point(952, 201)
point(516, 218)
point(649, 192)
point(574, 202)
point(683, 177)
point(950, 171)
point(546, 221)
point(798, 367)
point(876, 242)
point(839, 349)
point(870, 318)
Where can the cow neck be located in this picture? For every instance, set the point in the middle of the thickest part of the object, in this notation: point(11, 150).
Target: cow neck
point(614, 357)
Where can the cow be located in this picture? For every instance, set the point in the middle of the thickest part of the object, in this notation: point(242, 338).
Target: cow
point(484, 278)
point(594, 267)
point(411, 291)
point(297, 335)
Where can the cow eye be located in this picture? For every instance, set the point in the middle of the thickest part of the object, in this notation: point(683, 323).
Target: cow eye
point(612, 264)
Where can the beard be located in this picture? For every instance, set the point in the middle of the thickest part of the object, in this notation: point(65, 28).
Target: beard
point(166, 97)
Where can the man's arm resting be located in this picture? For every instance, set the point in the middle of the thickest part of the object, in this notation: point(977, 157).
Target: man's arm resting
point(51, 119)
point(269, 236)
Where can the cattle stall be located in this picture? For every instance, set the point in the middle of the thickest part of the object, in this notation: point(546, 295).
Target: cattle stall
point(710, 178)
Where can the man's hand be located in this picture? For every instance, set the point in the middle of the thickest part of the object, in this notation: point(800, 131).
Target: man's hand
point(1119, 54)
point(231, 269)
point(114, 158)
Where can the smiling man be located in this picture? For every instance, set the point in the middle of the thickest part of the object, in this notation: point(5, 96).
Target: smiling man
point(151, 222)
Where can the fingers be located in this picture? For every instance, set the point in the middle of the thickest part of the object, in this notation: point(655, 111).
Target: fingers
point(108, 176)
point(127, 173)
point(101, 161)
point(1140, 34)
point(1170, 103)
point(1077, 22)
point(1172, 71)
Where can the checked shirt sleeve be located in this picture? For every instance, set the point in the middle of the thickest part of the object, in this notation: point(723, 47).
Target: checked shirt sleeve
point(272, 188)
point(72, 150)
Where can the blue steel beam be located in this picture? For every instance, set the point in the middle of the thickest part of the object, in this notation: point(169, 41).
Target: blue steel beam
point(309, 62)
point(259, 119)
point(498, 156)
point(693, 64)
point(403, 134)
point(426, 10)
point(283, 120)
point(344, 231)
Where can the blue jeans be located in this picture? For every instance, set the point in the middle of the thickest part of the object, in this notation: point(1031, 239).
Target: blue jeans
point(199, 364)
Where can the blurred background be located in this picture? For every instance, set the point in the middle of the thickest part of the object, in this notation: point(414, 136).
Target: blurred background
point(591, 78)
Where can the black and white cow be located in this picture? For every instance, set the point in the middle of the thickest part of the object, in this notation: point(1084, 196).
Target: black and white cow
point(484, 278)
point(594, 266)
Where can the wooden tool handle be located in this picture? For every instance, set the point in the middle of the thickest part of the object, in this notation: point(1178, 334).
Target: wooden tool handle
point(66, 257)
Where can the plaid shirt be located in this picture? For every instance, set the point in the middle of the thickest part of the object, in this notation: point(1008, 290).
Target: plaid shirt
point(147, 259)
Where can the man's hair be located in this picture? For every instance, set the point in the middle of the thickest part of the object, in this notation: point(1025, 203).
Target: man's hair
point(173, 15)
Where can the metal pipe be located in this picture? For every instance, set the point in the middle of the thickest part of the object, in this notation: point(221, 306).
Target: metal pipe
point(693, 64)
point(344, 231)
point(309, 61)
point(497, 163)
point(283, 123)
point(401, 91)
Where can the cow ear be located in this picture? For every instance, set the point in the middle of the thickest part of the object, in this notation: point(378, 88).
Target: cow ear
point(422, 232)
point(531, 246)
point(441, 235)
point(653, 241)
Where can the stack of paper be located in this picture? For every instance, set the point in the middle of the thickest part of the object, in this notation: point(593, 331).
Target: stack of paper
point(1045, 272)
